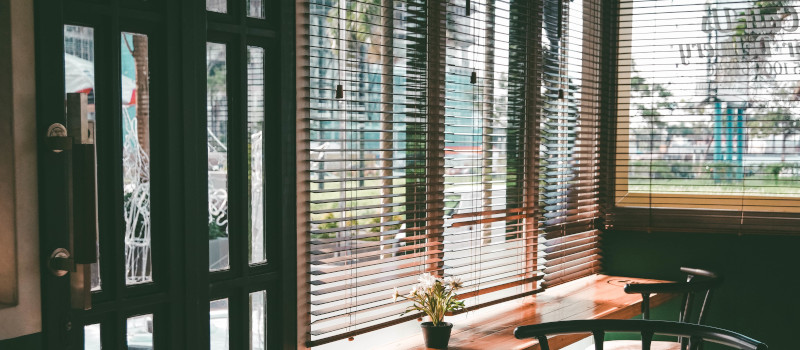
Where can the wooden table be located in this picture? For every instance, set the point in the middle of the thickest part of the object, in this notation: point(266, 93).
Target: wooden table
point(593, 297)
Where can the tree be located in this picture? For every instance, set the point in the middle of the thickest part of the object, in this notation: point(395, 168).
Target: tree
point(773, 113)
point(776, 121)
point(140, 56)
point(649, 102)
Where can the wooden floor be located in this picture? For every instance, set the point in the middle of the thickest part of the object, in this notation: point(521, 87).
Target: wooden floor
point(593, 297)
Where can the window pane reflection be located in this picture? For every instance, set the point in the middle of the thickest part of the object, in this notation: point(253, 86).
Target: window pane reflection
point(258, 320)
point(217, 122)
point(79, 77)
point(220, 6)
point(91, 337)
point(255, 131)
point(135, 88)
point(140, 332)
point(255, 8)
point(704, 125)
point(218, 324)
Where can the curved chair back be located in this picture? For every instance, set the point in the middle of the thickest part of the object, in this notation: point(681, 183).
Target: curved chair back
point(699, 282)
point(647, 328)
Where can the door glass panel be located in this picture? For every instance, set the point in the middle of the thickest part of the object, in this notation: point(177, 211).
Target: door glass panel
point(79, 77)
point(255, 8)
point(134, 66)
point(140, 332)
point(220, 6)
point(218, 324)
point(258, 320)
point(255, 132)
point(91, 337)
point(217, 123)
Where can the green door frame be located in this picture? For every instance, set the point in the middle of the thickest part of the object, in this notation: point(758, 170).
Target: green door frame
point(179, 297)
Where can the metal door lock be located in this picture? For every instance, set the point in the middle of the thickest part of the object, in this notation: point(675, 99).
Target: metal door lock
point(57, 139)
point(61, 262)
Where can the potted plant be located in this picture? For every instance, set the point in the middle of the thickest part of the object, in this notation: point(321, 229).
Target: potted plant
point(434, 297)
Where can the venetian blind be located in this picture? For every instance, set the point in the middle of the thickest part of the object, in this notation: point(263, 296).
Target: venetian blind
point(449, 137)
point(370, 183)
point(708, 116)
point(489, 231)
point(569, 128)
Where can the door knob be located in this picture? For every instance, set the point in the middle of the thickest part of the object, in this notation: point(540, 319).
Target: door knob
point(60, 262)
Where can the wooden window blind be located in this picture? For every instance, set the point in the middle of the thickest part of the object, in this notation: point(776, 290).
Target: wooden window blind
point(457, 138)
point(570, 126)
point(370, 184)
point(489, 239)
point(708, 116)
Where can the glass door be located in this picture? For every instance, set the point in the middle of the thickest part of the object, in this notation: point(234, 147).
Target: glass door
point(243, 143)
point(160, 226)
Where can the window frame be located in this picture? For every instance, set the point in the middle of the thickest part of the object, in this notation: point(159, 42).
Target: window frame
point(624, 199)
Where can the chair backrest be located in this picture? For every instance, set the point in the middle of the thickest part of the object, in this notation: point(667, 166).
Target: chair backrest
point(647, 328)
point(699, 283)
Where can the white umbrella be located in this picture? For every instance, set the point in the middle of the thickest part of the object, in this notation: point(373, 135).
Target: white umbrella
point(128, 91)
point(79, 77)
point(78, 74)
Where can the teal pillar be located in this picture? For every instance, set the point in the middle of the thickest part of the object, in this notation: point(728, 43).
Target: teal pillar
point(740, 142)
point(717, 132)
point(729, 137)
point(728, 141)
point(718, 156)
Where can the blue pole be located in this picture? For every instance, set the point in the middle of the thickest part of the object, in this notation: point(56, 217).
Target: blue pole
point(729, 135)
point(717, 139)
point(740, 141)
point(718, 132)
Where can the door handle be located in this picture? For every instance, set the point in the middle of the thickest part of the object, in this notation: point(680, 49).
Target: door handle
point(80, 141)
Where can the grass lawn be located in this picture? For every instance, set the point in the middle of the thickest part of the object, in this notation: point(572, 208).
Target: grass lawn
point(370, 188)
point(750, 186)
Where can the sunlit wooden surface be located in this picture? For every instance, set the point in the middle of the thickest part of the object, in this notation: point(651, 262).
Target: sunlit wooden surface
point(593, 297)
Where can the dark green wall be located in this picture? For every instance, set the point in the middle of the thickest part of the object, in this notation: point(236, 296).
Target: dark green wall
point(761, 293)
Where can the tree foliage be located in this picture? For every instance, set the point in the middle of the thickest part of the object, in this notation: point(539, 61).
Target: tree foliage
point(649, 102)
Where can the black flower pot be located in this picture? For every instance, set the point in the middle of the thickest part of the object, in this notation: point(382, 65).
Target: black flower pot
point(436, 337)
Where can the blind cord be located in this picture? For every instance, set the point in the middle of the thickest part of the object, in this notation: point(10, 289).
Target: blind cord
point(476, 233)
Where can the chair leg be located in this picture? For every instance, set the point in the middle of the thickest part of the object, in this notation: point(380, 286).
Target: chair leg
point(646, 306)
point(647, 339)
point(701, 316)
point(695, 343)
point(599, 338)
point(543, 344)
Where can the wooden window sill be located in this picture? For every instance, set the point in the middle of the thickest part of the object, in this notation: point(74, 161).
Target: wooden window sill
point(592, 297)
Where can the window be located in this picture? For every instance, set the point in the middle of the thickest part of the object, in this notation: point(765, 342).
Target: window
point(457, 138)
point(708, 124)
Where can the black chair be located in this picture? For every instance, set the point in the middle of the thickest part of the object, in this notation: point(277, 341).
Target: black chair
point(698, 283)
point(697, 334)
